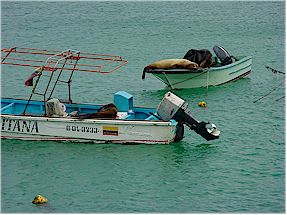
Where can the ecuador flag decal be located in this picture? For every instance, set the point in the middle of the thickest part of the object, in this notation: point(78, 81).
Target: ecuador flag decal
point(110, 130)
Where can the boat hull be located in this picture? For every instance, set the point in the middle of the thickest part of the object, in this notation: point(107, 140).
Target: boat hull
point(88, 130)
point(214, 76)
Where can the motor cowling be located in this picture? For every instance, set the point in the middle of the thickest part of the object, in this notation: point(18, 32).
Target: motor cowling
point(173, 107)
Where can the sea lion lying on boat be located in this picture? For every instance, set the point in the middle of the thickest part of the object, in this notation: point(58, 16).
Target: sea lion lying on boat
point(170, 64)
point(108, 111)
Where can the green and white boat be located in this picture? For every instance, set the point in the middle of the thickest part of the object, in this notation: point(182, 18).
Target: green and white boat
point(224, 69)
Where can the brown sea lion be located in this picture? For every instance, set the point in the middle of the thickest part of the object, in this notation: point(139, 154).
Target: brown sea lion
point(170, 64)
point(202, 57)
point(207, 61)
point(108, 111)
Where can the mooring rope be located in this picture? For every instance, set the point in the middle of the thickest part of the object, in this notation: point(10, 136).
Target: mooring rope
point(280, 98)
point(274, 70)
point(207, 82)
point(270, 91)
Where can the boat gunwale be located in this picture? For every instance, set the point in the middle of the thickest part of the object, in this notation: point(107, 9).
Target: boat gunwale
point(92, 121)
point(243, 60)
point(77, 104)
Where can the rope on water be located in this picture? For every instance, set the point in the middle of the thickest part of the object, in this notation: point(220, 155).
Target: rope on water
point(280, 98)
point(207, 82)
point(270, 92)
point(274, 70)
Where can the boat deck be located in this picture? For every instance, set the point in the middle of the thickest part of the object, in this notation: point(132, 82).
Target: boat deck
point(37, 109)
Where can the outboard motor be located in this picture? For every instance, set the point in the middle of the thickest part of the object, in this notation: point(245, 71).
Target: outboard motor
point(173, 107)
point(223, 55)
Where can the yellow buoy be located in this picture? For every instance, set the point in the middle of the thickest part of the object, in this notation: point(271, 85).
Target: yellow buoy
point(202, 104)
point(39, 200)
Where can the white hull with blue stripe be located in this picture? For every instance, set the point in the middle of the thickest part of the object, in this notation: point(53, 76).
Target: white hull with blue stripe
point(88, 130)
point(136, 125)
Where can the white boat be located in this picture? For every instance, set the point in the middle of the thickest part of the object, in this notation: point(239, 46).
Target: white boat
point(121, 130)
point(64, 120)
point(217, 74)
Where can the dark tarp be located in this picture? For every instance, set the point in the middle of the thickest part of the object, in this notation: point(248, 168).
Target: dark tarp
point(202, 57)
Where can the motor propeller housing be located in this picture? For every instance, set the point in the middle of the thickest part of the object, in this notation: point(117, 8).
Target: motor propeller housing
point(173, 107)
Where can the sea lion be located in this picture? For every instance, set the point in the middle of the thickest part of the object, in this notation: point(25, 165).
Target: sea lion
point(170, 64)
point(203, 57)
point(207, 62)
point(108, 111)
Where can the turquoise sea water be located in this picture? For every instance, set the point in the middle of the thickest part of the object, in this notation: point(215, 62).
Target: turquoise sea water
point(243, 171)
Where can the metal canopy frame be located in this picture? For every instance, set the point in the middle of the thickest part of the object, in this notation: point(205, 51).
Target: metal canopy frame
point(51, 61)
